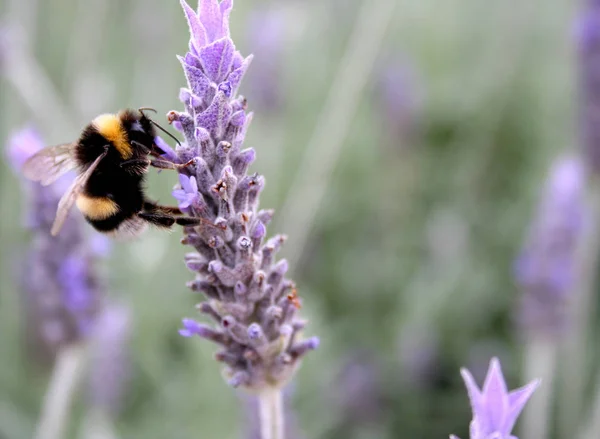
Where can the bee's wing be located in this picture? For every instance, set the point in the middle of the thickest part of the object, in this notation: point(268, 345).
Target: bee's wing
point(70, 196)
point(47, 165)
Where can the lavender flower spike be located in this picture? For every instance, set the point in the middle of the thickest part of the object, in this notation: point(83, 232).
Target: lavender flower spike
point(250, 300)
point(495, 409)
point(62, 294)
point(546, 267)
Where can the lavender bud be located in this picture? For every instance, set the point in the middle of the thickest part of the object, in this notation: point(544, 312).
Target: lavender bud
point(110, 362)
point(301, 348)
point(191, 328)
point(258, 233)
point(277, 272)
point(209, 310)
point(237, 331)
point(242, 162)
point(226, 275)
point(203, 286)
point(244, 245)
point(256, 335)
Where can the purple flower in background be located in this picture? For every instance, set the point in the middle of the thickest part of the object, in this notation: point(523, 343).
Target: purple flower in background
point(495, 409)
point(252, 303)
point(399, 100)
point(545, 268)
point(358, 390)
point(110, 362)
point(61, 291)
point(588, 34)
point(266, 38)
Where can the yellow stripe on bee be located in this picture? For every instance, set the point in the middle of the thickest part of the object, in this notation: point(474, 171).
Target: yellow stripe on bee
point(111, 127)
point(96, 208)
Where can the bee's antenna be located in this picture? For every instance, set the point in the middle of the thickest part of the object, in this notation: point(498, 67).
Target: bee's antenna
point(142, 109)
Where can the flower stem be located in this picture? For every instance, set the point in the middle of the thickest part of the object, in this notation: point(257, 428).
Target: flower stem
point(574, 350)
point(270, 410)
point(540, 362)
point(63, 384)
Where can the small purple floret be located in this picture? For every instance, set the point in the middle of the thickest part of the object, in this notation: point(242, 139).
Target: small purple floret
point(495, 409)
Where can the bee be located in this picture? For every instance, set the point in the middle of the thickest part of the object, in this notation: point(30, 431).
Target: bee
point(111, 156)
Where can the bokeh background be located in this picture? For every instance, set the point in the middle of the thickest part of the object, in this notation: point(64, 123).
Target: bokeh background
point(406, 267)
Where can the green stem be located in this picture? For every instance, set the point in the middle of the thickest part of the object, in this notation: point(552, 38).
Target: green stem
point(68, 371)
point(270, 409)
point(574, 354)
point(540, 362)
point(591, 429)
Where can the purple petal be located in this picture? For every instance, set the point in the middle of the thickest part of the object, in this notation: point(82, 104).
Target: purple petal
point(197, 80)
point(193, 185)
point(517, 400)
point(168, 152)
point(185, 183)
point(215, 116)
point(216, 59)
point(197, 31)
point(495, 395)
point(185, 333)
point(211, 16)
point(236, 76)
point(475, 396)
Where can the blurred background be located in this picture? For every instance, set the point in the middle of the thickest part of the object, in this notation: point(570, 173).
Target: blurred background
point(453, 114)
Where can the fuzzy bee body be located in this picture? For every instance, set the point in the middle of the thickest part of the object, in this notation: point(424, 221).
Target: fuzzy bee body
point(112, 156)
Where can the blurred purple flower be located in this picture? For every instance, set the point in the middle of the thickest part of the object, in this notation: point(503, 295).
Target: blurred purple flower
point(252, 303)
point(495, 409)
point(22, 145)
point(588, 35)
point(400, 100)
point(266, 39)
point(62, 293)
point(358, 390)
point(545, 268)
point(110, 361)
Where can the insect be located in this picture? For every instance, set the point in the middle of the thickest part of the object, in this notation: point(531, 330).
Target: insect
point(112, 156)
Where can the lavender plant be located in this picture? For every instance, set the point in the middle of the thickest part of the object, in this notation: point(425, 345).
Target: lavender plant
point(110, 362)
point(252, 303)
point(546, 267)
point(589, 56)
point(495, 409)
point(62, 292)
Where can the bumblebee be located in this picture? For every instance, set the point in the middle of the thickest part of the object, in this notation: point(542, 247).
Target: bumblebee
point(112, 156)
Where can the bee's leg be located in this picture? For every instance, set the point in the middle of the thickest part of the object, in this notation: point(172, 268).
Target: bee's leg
point(164, 220)
point(157, 219)
point(136, 166)
point(165, 164)
point(156, 212)
point(149, 206)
